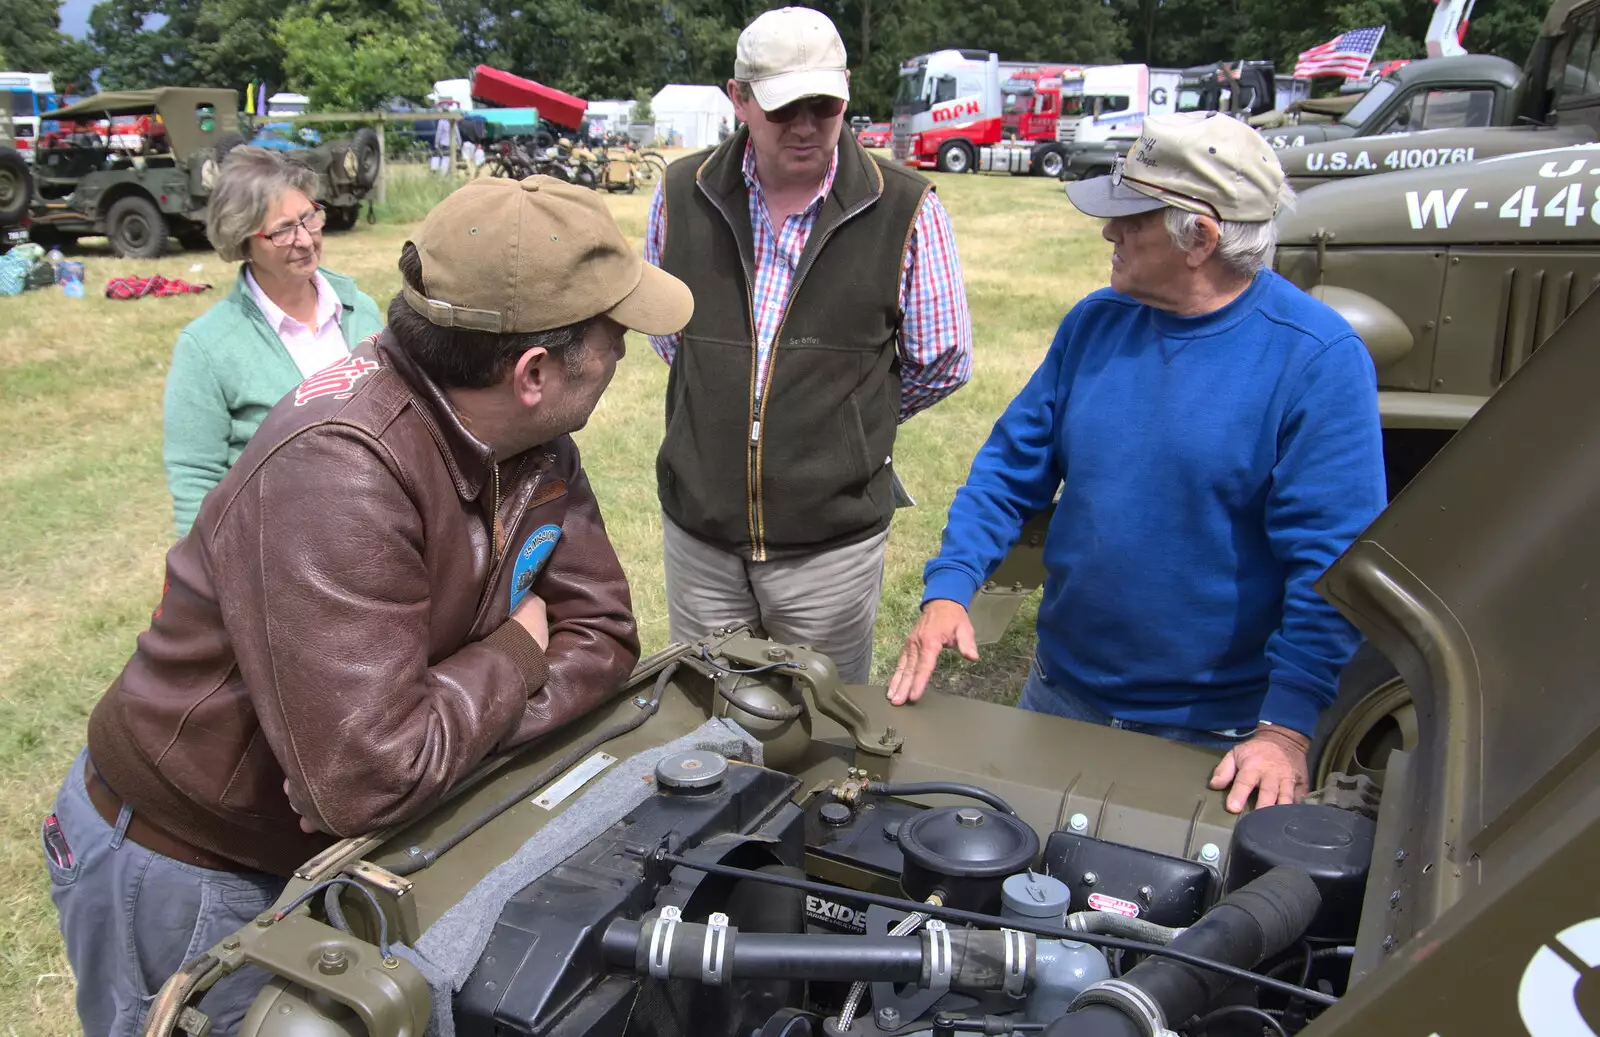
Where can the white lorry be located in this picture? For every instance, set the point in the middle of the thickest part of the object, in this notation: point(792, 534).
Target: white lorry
point(1110, 114)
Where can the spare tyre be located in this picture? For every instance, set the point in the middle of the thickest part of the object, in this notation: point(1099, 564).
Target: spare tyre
point(16, 186)
point(369, 160)
point(343, 165)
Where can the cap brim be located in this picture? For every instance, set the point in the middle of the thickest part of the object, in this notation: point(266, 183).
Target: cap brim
point(774, 93)
point(1100, 198)
point(659, 304)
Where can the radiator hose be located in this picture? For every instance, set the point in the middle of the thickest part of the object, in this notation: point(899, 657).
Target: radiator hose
point(1246, 927)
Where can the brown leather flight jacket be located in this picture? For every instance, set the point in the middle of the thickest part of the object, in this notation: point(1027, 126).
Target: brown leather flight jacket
point(338, 617)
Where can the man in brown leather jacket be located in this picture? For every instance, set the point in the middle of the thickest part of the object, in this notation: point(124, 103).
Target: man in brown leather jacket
point(405, 572)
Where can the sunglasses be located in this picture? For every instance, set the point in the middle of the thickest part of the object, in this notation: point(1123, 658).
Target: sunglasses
point(821, 108)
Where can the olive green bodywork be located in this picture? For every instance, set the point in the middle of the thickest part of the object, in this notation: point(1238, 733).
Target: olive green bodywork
point(1477, 582)
point(77, 187)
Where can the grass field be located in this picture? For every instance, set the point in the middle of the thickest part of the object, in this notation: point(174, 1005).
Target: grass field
point(85, 519)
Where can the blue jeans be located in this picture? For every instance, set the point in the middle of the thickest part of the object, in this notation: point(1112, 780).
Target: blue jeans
point(131, 917)
point(1042, 695)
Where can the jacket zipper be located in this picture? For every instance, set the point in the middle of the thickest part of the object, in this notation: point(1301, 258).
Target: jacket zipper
point(498, 550)
point(754, 509)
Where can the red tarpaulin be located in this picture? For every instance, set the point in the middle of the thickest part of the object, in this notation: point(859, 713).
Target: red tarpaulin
point(509, 91)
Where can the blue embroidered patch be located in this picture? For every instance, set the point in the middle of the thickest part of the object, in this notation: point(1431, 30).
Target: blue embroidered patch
point(536, 550)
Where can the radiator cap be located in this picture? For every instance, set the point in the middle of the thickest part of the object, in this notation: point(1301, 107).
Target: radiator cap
point(698, 769)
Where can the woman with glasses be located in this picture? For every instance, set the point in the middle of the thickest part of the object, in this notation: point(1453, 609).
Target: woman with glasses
point(285, 320)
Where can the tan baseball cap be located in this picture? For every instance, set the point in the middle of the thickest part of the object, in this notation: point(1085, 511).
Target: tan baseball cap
point(1204, 162)
point(511, 257)
point(790, 53)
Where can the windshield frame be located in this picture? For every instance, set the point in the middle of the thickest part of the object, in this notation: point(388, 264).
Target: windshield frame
point(911, 93)
point(1375, 98)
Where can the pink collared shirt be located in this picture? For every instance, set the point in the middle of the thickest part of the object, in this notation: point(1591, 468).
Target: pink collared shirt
point(311, 348)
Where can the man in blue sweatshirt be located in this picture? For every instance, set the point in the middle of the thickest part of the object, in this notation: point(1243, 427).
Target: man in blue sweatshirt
point(1213, 432)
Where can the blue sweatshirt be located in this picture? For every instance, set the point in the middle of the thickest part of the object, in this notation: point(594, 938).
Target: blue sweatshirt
point(1210, 468)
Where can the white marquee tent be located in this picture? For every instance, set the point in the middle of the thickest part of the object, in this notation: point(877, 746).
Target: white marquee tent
point(694, 114)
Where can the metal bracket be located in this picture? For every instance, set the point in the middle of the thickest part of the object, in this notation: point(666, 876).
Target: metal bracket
point(715, 950)
point(1016, 976)
point(661, 941)
point(1140, 1006)
point(938, 956)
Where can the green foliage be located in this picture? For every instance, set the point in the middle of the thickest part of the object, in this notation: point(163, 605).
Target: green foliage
point(31, 41)
point(641, 112)
point(346, 55)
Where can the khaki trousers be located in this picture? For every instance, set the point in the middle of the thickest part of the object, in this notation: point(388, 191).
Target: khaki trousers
point(828, 600)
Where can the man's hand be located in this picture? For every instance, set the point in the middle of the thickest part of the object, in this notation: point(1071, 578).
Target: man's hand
point(1272, 762)
point(306, 826)
point(533, 618)
point(943, 624)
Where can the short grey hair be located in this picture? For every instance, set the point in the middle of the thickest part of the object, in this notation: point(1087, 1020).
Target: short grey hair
point(250, 181)
point(1244, 248)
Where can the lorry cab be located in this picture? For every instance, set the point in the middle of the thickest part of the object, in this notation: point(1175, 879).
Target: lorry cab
point(1475, 90)
point(946, 106)
point(24, 95)
point(1116, 99)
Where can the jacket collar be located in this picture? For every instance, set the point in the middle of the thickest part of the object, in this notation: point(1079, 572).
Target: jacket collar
point(857, 181)
point(469, 458)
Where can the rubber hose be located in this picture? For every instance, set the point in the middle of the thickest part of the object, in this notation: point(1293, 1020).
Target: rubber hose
point(940, 788)
point(1110, 923)
point(1254, 922)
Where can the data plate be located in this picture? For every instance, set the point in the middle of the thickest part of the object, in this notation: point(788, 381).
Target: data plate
point(574, 780)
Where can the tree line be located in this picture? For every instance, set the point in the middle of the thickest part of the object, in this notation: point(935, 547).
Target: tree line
point(358, 54)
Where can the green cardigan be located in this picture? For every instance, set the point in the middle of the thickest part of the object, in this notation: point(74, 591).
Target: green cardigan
point(228, 369)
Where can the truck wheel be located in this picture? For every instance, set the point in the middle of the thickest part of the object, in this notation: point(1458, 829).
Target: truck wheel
point(955, 157)
point(1371, 717)
point(368, 161)
point(16, 187)
point(1050, 162)
point(136, 228)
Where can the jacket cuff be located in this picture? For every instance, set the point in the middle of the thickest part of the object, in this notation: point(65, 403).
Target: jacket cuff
point(950, 584)
point(511, 639)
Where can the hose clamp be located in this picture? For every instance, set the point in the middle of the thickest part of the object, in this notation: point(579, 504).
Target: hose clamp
point(715, 950)
point(1016, 976)
point(661, 940)
point(1131, 1001)
point(939, 956)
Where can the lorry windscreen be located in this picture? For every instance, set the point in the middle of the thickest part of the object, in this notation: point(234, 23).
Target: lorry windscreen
point(910, 98)
point(1363, 109)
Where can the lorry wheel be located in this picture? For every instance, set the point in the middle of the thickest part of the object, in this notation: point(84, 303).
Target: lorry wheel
point(136, 228)
point(954, 157)
point(368, 162)
point(16, 187)
point(1371, 717)
point(1049, 162)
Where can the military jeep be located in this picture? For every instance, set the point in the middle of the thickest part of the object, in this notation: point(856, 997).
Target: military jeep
point(736, 845)
point(139, 194)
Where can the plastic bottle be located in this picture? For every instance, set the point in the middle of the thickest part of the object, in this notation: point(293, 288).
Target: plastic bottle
point(54, 258)
point(72, 279)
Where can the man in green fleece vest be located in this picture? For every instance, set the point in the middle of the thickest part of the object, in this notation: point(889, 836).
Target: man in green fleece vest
point(830, 309)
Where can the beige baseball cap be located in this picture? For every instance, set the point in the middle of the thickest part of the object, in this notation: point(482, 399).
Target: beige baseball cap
point(511, 257)
point(1204, 162)
point(790, 53)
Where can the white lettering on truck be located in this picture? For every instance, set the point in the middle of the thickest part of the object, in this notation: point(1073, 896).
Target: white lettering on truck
point(1434, 207)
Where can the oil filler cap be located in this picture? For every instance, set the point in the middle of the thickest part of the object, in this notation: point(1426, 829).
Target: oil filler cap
point(698, 769)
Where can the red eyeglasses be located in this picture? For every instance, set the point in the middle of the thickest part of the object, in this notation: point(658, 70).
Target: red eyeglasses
point(821, 108)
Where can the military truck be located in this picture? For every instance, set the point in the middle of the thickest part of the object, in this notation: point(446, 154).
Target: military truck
point(16, 188)
point(1459, 109)
point(139, 196)
point(735, 844)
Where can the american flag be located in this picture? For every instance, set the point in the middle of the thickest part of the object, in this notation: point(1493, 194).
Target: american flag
point(1347, 55)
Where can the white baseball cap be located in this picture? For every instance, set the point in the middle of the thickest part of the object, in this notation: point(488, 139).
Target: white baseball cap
point(1204, 162)
point(790, 53)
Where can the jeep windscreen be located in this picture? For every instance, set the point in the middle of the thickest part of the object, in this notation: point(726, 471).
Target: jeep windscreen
point(1381, 91)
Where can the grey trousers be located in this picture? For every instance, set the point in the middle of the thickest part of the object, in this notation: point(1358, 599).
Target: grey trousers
point(131, 917)
point(828, 600)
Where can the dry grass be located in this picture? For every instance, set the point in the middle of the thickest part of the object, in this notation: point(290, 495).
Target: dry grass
point(85, 519)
